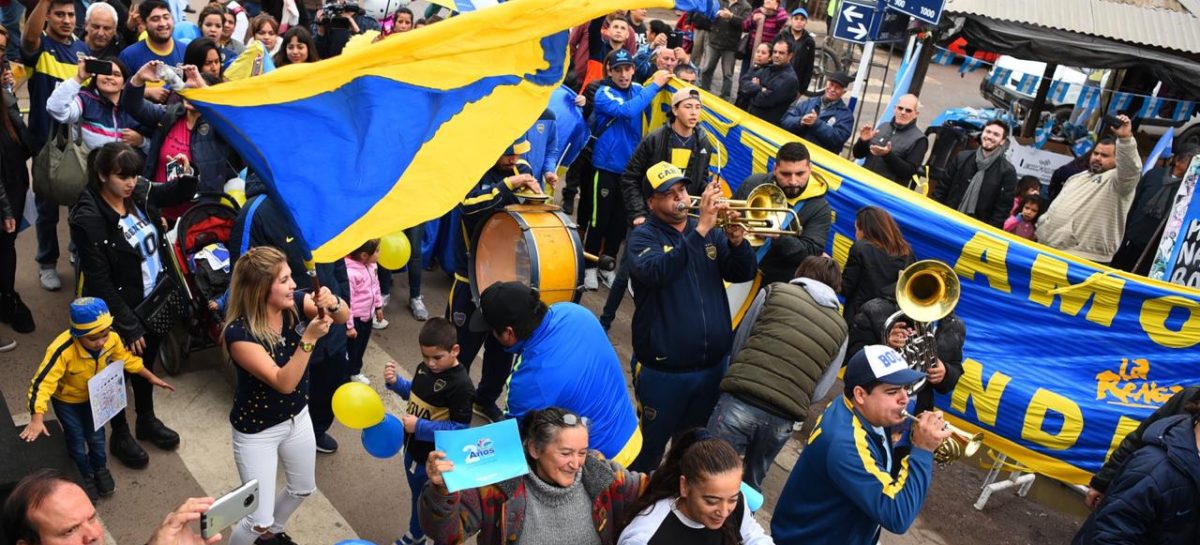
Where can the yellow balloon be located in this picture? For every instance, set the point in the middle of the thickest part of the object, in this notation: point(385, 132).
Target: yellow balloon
point(394, 251)
point(357, 406)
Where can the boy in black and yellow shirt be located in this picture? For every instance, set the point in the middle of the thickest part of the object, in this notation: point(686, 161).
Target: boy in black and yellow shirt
point(439, 398)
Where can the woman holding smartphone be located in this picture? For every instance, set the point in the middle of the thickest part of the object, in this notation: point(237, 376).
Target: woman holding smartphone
point(270, 344)
point(123, 256)
point(95, 107)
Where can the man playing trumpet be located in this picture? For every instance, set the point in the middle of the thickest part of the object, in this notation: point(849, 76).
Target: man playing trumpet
point(842, 489)
point(682, 331)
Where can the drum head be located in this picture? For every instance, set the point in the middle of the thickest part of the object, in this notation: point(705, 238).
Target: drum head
point(501, 254)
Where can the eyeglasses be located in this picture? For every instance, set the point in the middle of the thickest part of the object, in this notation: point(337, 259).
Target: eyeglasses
point(573, 420)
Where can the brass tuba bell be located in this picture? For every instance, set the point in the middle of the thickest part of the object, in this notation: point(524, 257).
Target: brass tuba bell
point(926, 292)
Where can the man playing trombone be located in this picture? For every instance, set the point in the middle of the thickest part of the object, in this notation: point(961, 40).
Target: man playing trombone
point(682, 330)
point(842, 489)
point(779, 257)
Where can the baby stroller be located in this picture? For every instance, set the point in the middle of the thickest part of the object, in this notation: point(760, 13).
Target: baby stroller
point(200, 240)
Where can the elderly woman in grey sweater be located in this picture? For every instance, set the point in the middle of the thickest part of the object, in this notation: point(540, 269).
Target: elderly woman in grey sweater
point(567, 485)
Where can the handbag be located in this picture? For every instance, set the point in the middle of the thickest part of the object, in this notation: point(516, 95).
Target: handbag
point(60, 168)
point(167, 305)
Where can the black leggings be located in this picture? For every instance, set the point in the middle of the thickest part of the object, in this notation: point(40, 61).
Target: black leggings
point(8, 241)
point(143, 391)
point(606, 223)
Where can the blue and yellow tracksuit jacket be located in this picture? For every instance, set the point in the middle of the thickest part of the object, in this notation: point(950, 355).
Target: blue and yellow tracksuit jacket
point(841, 491)
point(490, 195)
point(65, 370)
point(681, 321)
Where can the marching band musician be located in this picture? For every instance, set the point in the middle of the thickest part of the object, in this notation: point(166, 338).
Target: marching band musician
point(866, 328)
point(792, 172)
point(493, 192)
point(682, 330)
point(842, 490)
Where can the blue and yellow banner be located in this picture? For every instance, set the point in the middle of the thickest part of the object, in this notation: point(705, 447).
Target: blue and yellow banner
point(389, 135)
point(1063, 356)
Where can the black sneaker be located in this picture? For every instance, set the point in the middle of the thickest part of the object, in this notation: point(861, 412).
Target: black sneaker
point(489, 412)
point(326, 444)
point(128, 451)
point(89, 486)
point(278, 539)
point(104, 482)
point(156, 432)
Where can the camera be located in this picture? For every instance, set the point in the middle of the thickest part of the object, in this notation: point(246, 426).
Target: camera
point(332, 10)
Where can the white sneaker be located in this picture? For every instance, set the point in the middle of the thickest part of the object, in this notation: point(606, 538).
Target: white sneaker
point(361, 378)
point(379, 324)
point(589, 280)
point(386, 298)
point(419, 312)
point(49, 279)
point(607, 278)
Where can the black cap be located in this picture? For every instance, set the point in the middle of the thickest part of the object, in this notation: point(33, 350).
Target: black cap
point(504, 304)
point(841, 78)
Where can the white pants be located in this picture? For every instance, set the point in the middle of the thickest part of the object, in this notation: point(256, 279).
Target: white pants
point(258, 455)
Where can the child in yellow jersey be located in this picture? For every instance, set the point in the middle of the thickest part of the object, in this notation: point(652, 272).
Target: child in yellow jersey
point(73, 358)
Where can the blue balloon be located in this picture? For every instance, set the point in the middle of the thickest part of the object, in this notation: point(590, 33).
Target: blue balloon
point(383, 440)
point(354, 542)
point(185, 32)
point(754, 498)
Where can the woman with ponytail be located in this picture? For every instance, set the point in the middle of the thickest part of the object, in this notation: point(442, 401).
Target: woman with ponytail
point(695, 498)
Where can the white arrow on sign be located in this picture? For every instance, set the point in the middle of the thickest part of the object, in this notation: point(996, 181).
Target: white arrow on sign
point(850, 14)
point(859, 30)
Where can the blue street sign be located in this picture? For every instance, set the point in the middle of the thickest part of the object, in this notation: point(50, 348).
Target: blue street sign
point(929, 11)
point(889, 26)
point(854, 21)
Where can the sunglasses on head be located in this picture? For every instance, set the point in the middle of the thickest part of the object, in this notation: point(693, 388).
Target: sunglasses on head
point(573, 420)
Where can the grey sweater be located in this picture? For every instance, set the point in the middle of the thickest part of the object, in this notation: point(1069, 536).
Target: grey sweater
point(1088, 217)
point(552, 513)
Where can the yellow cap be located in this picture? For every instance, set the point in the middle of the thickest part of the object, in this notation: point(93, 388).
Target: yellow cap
point(663, 176)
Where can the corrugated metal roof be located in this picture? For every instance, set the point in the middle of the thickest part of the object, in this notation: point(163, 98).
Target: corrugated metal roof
point(1164, 28)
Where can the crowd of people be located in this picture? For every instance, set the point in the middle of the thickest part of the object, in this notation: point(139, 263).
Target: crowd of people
point(713, 402)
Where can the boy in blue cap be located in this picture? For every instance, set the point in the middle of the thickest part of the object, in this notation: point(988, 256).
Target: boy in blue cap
point(72, 359)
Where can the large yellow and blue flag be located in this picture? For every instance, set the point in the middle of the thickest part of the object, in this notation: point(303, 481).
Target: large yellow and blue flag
point(390, 135)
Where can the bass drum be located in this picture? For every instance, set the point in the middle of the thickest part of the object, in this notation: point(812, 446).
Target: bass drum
point(534, 244)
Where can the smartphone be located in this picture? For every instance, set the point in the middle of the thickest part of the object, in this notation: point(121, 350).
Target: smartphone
point(674, 39)
point(229, 509)
point(879, 141)
point(97, 66)
point(174, 169)
point(1113, 122)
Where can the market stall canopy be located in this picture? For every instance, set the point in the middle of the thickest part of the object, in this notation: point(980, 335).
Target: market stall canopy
point(1090, 33)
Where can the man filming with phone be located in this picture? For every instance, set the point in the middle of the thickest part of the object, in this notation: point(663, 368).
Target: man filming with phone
point(1088, 217)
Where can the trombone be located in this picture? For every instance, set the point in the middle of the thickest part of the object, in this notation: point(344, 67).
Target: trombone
point(764, 212)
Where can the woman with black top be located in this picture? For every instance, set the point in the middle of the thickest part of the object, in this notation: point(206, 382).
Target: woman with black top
point(270, 343)
point(123, 255)
point(878, 255)
point(14, 185)
point(695, 498)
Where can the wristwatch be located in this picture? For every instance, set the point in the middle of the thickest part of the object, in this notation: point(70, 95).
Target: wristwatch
point(336, 307)
point(307, 346)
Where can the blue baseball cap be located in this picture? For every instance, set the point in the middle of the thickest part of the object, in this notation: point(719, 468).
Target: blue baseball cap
point(879, 363)
point(519, 147)
point(800, 11)
point(618, 58)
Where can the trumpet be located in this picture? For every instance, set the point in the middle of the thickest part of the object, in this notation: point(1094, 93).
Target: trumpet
point(765, 213)
point(960, 443)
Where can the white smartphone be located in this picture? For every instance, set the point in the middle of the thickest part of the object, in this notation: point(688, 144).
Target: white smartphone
point(229, 509)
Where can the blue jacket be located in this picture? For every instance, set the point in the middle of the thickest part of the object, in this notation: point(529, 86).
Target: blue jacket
point(488, 196)
point(543, 141)
point(681, 320)
point(615, 146)
point(1155, 498)
point(841, 492)
point(568, 362)
point(833, 126)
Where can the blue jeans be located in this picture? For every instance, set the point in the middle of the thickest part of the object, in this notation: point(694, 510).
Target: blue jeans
point(669, 403)
point(754, 433)
point(47, 231)
point(85, 444)
point(414, 471)
point(11, 16)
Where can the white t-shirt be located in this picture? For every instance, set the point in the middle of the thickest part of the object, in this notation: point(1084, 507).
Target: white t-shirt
point(142, 236)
